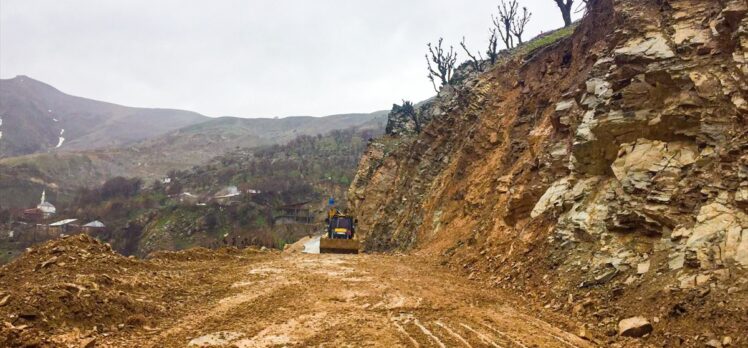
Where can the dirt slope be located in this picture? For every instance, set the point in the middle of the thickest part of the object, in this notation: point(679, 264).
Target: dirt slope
point(256, 299)
point(604, 176)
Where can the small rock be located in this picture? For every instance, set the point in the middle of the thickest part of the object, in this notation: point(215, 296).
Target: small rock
point(48, 262)
point(10, 326)
point(634, 327)
point(643, 267)
point(681, 233)
point(88, 342)
point(704, 292)
point(584, 334)
point(714, 343)
point(5, 300)
point(727, 341)
point(601, 279)
point(676, 261)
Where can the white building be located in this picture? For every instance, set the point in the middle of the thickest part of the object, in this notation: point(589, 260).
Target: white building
point(45, 207)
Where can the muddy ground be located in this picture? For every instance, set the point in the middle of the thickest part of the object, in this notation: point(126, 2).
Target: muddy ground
point(254, 298)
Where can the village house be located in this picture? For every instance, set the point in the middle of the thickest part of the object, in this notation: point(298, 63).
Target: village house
point(94, 227)
point(43, 210)
point(33, 215)
point(46, 208)
point(228, 196)
point(61, 227)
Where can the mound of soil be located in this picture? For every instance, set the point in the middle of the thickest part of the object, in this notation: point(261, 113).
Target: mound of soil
point(77, 291)
point(75, 281)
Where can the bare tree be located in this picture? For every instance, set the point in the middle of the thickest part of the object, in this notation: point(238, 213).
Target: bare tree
point(492, 53)
point(503, 23)
point(493, 47)
point(565, 7)
point(444, 62)
point(519, 24)
point(477, 62)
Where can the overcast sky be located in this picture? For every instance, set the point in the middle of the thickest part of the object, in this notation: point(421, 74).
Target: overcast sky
point(248, 58)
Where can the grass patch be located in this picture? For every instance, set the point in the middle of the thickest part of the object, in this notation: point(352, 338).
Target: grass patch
point(280, 243)
point(545, 39)
point(8, 254)
point(528, 48)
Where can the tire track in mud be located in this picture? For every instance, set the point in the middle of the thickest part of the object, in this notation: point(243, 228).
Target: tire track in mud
point(355, 300)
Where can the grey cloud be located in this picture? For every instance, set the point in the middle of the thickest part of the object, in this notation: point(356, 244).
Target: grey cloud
point(243, 58)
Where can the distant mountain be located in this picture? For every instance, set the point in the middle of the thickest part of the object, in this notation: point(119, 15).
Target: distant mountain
point(196, 144)
point(103, 140)
point(36, 117)
point(62, 172)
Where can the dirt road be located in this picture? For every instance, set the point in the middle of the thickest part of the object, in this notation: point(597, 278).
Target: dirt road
point(347, 300)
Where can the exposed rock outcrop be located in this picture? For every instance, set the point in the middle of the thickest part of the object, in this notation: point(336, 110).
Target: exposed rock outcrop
point(624, 144)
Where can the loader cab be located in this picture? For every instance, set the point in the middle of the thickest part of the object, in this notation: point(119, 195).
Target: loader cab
point(341, 234)
point(341, 227)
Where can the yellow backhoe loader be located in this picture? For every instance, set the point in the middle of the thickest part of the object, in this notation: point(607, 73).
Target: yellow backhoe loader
point(341, 234)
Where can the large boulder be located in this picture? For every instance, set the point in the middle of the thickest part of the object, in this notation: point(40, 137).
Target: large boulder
point(634, 327)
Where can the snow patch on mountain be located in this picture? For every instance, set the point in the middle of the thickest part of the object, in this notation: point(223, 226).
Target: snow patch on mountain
point(62, 140)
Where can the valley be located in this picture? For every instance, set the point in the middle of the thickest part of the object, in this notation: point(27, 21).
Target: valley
point(235, 199)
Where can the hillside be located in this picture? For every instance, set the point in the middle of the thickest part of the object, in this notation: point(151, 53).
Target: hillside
point(37, 117)
point(603, 176)
point(307, 169)
point(142, 217)
point(197, 144)
point(22, 178)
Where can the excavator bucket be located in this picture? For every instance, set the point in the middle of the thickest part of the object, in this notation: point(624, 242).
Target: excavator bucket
point(338, 246)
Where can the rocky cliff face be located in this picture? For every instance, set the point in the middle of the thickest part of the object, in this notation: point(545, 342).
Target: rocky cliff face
point(607, 173)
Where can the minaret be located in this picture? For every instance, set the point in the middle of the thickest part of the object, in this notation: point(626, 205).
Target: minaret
point(44, 197)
